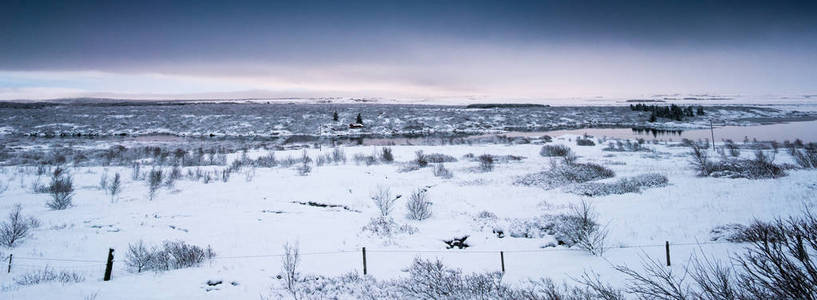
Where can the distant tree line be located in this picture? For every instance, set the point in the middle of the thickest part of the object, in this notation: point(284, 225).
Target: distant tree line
point(674, 112)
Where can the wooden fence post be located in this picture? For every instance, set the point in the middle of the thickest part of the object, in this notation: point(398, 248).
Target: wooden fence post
point(109, 265)
point(502, 259)
point(364, 261)
point(9, 270)
point(667, 247)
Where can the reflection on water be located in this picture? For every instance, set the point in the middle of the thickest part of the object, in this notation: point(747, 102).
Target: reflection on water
point(657, 132)
point(806, 131)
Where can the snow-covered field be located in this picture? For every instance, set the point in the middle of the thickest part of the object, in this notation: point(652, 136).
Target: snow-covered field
point(248, 218)
point(278, 120)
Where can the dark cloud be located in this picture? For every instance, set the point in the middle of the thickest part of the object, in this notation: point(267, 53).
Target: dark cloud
point(138, 35)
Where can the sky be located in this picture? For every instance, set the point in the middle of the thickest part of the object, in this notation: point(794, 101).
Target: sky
point(411, 49)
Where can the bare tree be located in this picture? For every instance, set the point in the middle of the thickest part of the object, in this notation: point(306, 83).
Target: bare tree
point(61, 189)
point(115, 187)
point(154, 182)
point(139, 257)
point(289, 267)
point(585, 230)
point(418, 207)
point(16, 228)
point(383, 200)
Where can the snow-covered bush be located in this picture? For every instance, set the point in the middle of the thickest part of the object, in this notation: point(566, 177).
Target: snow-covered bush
point(368, 160)
point(61, 189)
point(387, 227)
point(584, 141)
point(419, 208)
point(735, 233)
point(762, 166)
point(555, 151)
point(48, 274)
point(624, 185)
point(441, 171)
point(626, 146)
point(16, 228)
point(431, 279)
point(579, 227)
point(383, 200)
point(170, 255)
point(565, 173)
point(439, 158)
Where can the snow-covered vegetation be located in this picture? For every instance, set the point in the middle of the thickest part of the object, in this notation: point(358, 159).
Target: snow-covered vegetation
point(495, 218)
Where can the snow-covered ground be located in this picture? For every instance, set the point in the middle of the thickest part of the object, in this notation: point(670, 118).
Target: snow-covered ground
point(247, 220)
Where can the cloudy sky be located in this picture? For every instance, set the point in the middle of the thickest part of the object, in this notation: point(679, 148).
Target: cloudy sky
point(411, 49)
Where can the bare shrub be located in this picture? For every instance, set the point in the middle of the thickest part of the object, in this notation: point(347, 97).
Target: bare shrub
point(486, 162)
point(700, 160)
point(805, 158)
point(304, 169)
point(338, 155)
point(48, 274)
point(289, 267)
point(419, 208)
point(171, 255)
point(136, 171)
point(383, 200)
point(16, 228)
point(139, 257)
point(555, 151)
point(386, 156)
point(778, 264)
point(441, 171)
point(115, 187)
point(420, 160)
point(103, 181)
point(657, 282)
point(154, 182)
point(61, 189)
point(582, 228)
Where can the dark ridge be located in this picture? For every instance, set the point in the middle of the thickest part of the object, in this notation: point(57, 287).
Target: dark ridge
point(505, 105)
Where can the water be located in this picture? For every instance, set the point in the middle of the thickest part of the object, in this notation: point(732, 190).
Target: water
point(806, 131)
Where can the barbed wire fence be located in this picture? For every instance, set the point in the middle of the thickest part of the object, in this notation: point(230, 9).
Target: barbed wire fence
point(104, 268)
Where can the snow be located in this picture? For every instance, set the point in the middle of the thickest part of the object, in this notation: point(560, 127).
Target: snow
point(239, 220)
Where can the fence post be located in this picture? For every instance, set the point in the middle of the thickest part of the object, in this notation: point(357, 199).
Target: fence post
point(109, 266)
point(667, 247)
point(364, 260)
point(502, 259)
point(9, 270)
